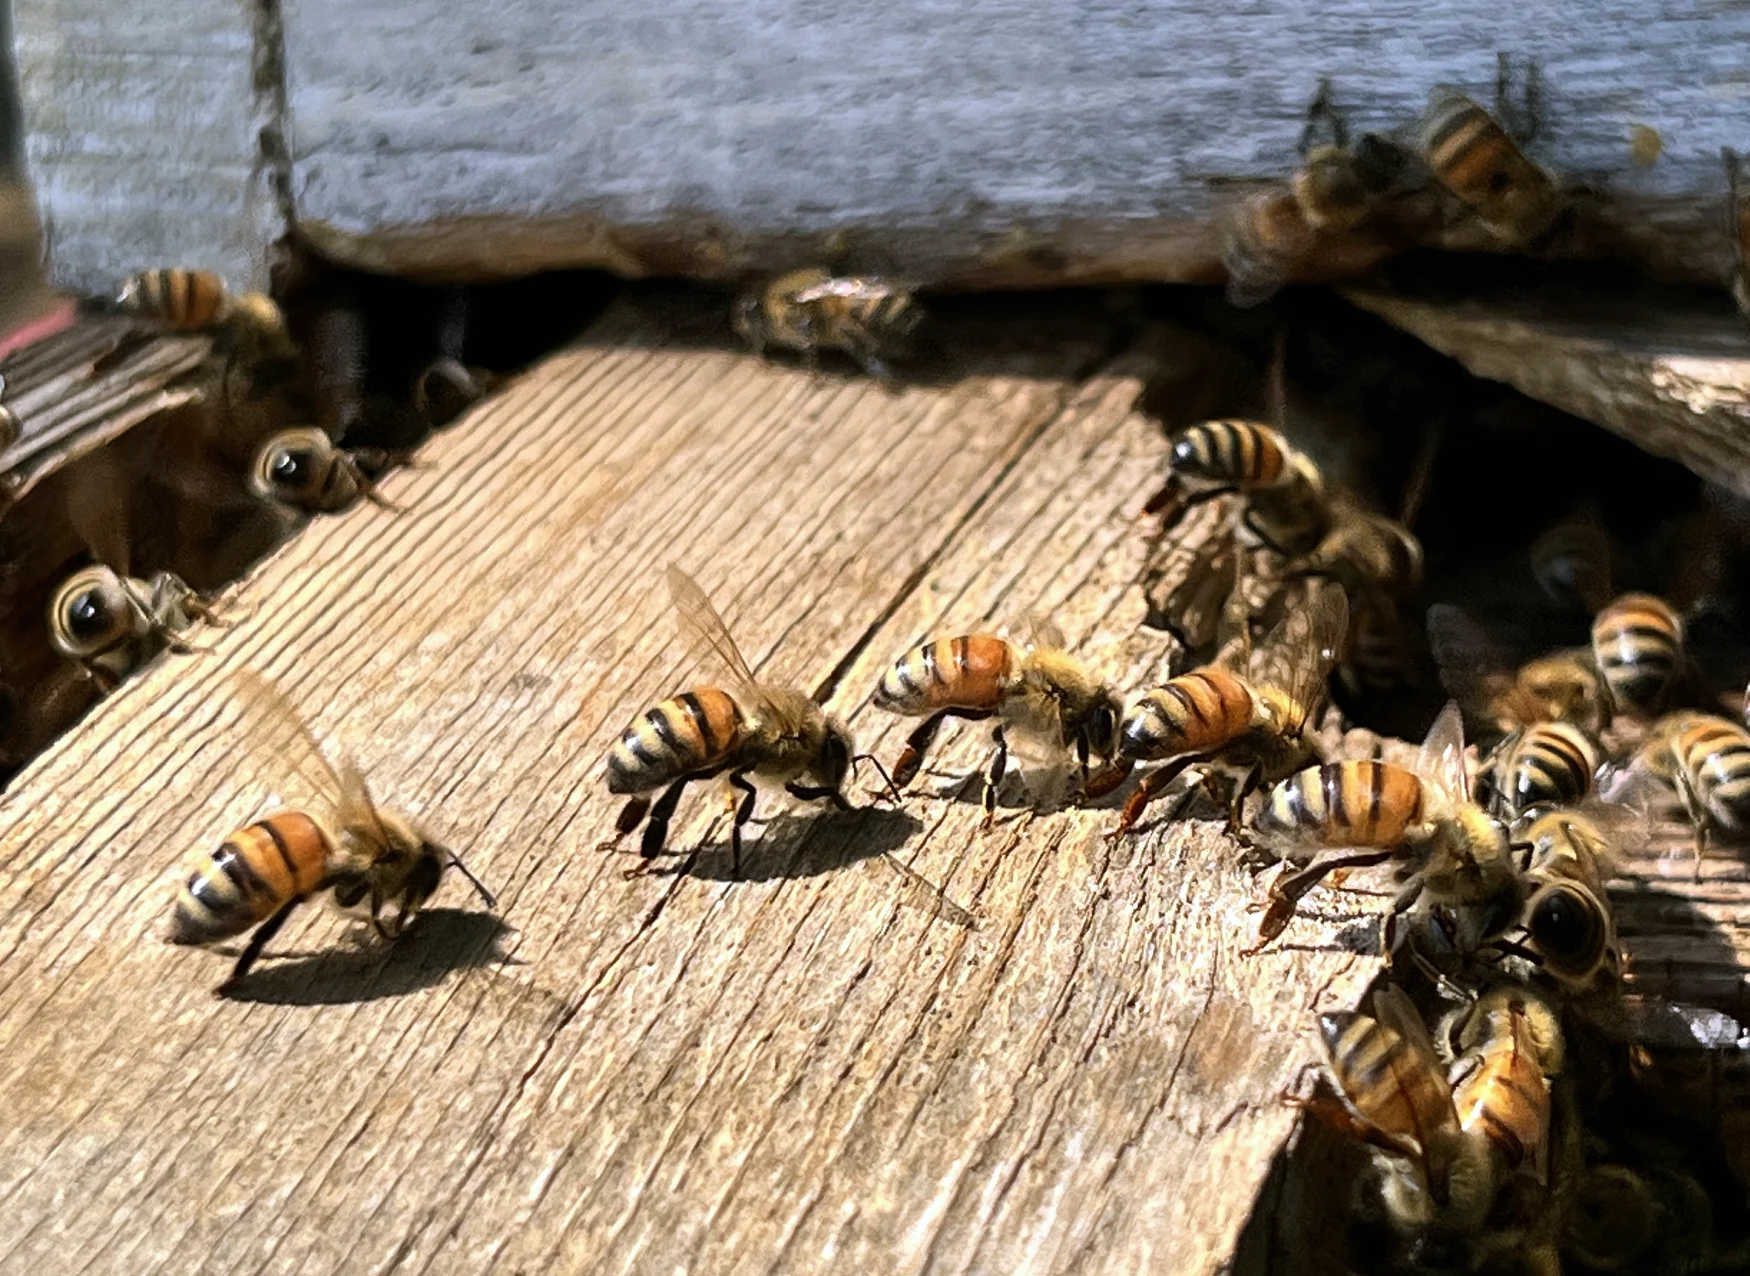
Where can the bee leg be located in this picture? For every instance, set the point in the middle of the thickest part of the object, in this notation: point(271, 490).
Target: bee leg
point(1152, 784)
point(1286, 893)
point(631, 816)
point(993, 779)
point(258, 941)
point(1247, 785)
point(1388, 924)
point(1697, 813)
point(1103, 782)
point(816, 793)
point(905, 767)
point(656, 829)
point(743, 813)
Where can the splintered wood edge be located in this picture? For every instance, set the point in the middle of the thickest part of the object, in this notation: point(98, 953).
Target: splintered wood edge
point(1676, 383)
point(785, 1071)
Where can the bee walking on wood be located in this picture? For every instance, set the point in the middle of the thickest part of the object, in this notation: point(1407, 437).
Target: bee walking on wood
point(1637, 643)
point(1212, 458)
point(1253, 723)
point(366, 855)
point(1474, 157)
point(1038, 693)
point(1547, 764)
point(747, 731)
point(871, 320)
point(251, 325)
point(1706, 759)
point(306, 470)
point(1456, 855)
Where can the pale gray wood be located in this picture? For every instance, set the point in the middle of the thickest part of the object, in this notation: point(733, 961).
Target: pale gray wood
point(141, 131)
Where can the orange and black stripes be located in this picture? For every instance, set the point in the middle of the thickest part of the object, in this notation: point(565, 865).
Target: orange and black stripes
point(255, 871)
point(1471, 155)
point(1548, 764)
point(1386, 1080)
point(973, 671)
point(181, 299)
point(1504, 1099)
point(1360, 803)
point(1637, 642)
point(1238, 454)
point(1203, 709)
point(699, 730)
point(1714, 753)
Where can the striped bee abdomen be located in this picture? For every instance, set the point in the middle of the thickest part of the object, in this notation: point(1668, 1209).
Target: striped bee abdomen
point(245, 881)
point(698, 730)
point(1506, 1101)
point(1242, 453)
point(893, 317)
point(181, 299)
point(1381, 1076)
point(1551, 764)
point(1202, 709)
point(1464, 146)
point(969, 672)
point(1716, 754)
point(1360, 803)
point(1637, 642)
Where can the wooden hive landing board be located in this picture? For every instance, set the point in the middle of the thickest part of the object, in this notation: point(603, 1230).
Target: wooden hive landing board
point(800, 1071)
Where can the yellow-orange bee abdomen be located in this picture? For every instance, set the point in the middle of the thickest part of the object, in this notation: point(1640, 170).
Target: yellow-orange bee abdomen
point(1383, 1078)
point(1360, 803)
point(1715, 754)
point(970, 672)
point(698, 730)
point(182, 299)
point(256, 871)
point(1243, 454)
point(1203, 709)
point(1637, 642)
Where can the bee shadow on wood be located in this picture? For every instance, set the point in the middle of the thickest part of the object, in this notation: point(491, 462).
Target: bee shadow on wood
point(825, 843)
point(436, 944)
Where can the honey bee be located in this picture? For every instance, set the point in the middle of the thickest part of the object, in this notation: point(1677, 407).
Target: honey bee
point(1637, 644)
point(811, 310)
point(1738, 227)
point(1456, 855)
point(1396, 1098)
point(185, 300)
point(747, 731)
point(1546, 764)
point(1706, 759)
point(1213, 458)
point(1253, 723)
point(1338, 186)
point(365, 854)
point(1472, 155)
point(1567, 917)
point(1511, 1047)
point(304, 469)
point(1564, 686)
point(1365, 553)
point(1040, 693)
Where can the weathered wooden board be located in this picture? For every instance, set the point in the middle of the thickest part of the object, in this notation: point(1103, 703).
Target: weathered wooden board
point(967, 144)
point(1673, 379)
point(144, 137)
point(805, 1070)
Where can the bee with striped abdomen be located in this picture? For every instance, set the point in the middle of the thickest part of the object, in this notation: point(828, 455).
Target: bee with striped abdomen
point(1396, 1099)
point(1473, 156)
point(1562, 687)
point(305, 469)
point(1251, 722)
point(249, 325)
point(1212, 458)
point(1706, 759)
point(811, 310)
point(366, 855)
point(1454, 854)
point(1738, 228)
point(1637, 644)
point(747, 731)
point(1038, 693)
point(1547, 764)
point(1567, 919)
point(1511, 1046)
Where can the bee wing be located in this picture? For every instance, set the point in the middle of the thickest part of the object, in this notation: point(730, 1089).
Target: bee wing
point(1193, 610)
point(282, 743)
point(707, 636)
point(1441, 759)
point(1393, 1008)
point(856, 287)
point(1468, 660)
point(1043, 631)
point(1297, 655)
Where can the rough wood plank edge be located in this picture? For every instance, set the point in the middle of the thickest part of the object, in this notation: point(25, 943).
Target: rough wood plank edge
point(1673, 380)
point(802, 1071)
point(67, 410)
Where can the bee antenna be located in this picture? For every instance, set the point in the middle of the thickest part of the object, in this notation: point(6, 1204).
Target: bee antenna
point(886, 779)
point(486, 896)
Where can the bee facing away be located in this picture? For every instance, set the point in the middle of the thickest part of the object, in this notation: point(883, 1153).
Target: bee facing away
point(1567, 918)
point(1706, 759)
point(365, 854)
point(1253, 722)
point(1472, 155)
point(1040, 693)
point(746, 731)
point(1738, 227)
point(250, 324)
point(1637, 644)
point(1546, 764)
point(305, 469)
point(812, 310)
point(1456, 855)
point(1337, 185)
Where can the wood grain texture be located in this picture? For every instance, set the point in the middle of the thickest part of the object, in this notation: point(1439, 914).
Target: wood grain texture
point(801, 1071)
point(143, 139)
point(1673, 379)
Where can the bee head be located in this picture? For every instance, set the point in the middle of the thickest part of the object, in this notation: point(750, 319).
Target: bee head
point(1469, 859)
point(90, 613)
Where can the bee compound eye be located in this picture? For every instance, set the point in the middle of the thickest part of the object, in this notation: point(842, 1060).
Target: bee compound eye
point(291, 467)
point(1566, 931)
point(88, 615)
